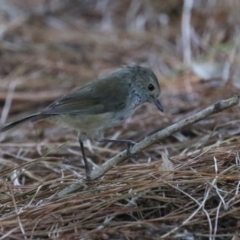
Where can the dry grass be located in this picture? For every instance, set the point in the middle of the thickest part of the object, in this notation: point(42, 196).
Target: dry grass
point(186, 187)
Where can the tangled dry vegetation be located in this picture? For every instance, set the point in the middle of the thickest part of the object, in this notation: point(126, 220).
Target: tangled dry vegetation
point(184, 187)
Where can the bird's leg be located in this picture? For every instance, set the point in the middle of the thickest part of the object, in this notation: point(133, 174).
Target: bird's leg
point(87, 168)
point(129, 143)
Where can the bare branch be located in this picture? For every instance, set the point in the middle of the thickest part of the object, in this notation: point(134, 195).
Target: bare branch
point(215, 108)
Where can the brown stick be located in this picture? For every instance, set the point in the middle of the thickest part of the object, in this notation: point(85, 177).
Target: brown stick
point(96, 173)
point(215, 108)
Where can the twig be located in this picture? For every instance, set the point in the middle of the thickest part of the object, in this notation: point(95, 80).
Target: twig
point(157, 137)
point(96, 173)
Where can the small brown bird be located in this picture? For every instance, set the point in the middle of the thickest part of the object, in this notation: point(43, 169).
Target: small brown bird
point(101, 104)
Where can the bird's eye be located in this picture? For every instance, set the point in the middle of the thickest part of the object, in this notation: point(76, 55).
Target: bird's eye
point(151, 87)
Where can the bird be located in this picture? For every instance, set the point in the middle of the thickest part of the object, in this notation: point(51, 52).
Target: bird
point(100, 104)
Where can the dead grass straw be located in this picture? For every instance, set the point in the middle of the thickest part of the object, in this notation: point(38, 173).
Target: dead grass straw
point(217, 107)
point(185, 187)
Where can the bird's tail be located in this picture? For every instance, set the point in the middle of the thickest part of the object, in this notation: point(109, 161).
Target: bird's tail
point(34, 117)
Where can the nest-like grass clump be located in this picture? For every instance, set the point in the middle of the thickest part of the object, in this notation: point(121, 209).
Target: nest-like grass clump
point(184, 187)
point(192, 193)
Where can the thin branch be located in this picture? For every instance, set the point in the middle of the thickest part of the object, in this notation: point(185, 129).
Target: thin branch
point(157, 137)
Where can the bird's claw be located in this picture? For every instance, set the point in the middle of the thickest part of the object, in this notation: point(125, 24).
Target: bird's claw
point(130, 144)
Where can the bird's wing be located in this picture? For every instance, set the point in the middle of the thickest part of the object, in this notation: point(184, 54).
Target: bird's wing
point(101, 96)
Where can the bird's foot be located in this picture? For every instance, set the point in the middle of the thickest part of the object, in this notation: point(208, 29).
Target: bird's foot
point(129, 143)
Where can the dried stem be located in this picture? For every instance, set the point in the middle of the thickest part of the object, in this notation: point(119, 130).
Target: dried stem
point(215, 108)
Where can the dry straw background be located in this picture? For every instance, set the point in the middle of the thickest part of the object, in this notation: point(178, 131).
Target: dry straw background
point(184, 187)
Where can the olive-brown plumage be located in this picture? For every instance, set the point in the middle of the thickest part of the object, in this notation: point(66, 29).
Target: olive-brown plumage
point(101, 103)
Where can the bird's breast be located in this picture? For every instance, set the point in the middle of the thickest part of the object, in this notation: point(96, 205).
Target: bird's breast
point(83, 122)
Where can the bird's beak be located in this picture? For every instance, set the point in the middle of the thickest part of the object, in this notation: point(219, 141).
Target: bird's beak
point(158, 104)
